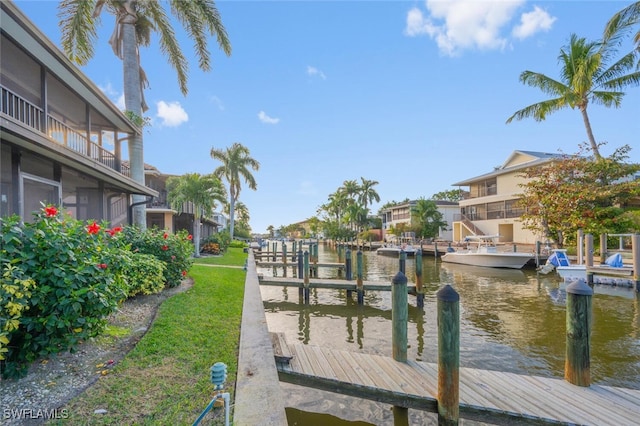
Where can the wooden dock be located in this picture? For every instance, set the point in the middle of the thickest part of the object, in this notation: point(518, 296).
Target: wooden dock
point(415, 384)
point(328, 283)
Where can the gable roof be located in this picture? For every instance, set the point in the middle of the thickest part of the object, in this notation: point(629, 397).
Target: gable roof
point(518, 160)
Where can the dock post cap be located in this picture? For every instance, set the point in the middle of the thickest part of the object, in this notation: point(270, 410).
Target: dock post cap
point(579, 287)
point(400, 278)
point(448, 294)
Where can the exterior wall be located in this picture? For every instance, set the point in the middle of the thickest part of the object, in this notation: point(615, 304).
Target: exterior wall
point(401, 214)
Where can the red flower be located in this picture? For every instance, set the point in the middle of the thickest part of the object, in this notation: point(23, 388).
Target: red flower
point(94, 228)
point(165, 235)
point(165, 248)
point(190, 237)
point(50, 211)
point(114, 231)
point(184, 273)
point(102, 265)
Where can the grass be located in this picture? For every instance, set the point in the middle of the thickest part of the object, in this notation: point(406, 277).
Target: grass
point(233, 257)
point(165, 379)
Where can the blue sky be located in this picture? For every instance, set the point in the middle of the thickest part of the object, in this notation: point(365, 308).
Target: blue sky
point(412, 94)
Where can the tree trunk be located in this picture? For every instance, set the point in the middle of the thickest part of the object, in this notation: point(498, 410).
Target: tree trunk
point(133, 103)
point(196, 236)
point(232, 208)
point(592, 139)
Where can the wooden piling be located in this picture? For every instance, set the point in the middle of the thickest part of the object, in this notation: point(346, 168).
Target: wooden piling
point(284, 255)
point(635, 251)
point(359, 275)
point(402, 261)
point(399, 320)
point(294, 251)
point(448, 356)
point(306, 277)
point(577, 367)
point(399, 317)
point(347, 265)
point(419, 290)
point(603, 248)
point(275, 248)
point(580, 246)
point(588, 248)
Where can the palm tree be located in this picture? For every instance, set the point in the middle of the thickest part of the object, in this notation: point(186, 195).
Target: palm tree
point(201, 191)
point(367, 194)
point(585, 78)
point(236, 162)
point(427, 217)
point(135, 20)
point(241, 212)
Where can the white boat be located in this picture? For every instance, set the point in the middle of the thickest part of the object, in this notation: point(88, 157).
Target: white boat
point(405, 244)
point(394, 250)
point(487, 254)
point(569, 271)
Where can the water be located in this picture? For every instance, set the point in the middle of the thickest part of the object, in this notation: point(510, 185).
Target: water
point(510, 320)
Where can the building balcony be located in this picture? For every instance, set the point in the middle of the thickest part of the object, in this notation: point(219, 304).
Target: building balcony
point(18, 109)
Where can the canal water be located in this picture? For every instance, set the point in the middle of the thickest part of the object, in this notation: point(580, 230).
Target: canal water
point(510, 320)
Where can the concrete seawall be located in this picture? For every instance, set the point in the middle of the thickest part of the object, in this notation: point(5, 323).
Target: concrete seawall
point(258, 398)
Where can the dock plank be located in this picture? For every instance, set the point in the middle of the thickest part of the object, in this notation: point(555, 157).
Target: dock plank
point(414, 384)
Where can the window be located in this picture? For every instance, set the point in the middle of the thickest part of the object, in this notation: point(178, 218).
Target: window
point(38, 191)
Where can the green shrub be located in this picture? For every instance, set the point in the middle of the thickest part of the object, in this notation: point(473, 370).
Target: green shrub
point(220, 238)
point(144, 274)
point(74, 292)
point(15, 291)
point(173, 249)
point(237, 244)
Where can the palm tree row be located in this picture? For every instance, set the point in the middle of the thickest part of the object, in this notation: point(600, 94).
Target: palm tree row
point(347, 209)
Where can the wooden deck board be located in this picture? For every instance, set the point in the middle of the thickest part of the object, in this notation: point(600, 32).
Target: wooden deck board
point(506, 394)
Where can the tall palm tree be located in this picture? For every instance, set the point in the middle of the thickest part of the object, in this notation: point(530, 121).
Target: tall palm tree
point(585, 78)
point(135, 20)
point(350, 188)
point(367, 194)
point(201, 191)
point(236, 164)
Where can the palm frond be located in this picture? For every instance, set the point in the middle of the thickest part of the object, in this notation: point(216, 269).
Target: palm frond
point(168, 42)
point(78, 27)
point(618, 26)
point(543, 82)
point(539, 111)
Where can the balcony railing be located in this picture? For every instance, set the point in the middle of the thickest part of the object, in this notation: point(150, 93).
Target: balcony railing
point(30, 115)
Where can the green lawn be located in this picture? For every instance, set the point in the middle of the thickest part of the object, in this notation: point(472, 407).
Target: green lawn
point(165, 379)
point(233, 256)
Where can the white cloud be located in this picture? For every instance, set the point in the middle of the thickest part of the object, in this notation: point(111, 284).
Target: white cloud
point(315, 71)
point(533, 22)
point(266, 119)
point(115, 96)
point(458, 25)
point(172, 114)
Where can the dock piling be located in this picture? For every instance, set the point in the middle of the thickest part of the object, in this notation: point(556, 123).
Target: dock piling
point(306, 277)
point(419, 290)
point(635, 251)
point(448, 356)
point(359, 275)
point(399, 319)
point(402, 261)
point(577, 367)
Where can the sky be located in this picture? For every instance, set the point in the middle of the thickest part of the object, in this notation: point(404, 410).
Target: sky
point(411, 94)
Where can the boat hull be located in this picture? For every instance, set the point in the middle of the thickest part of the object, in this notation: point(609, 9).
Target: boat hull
point(490, 260)
point(394, 252)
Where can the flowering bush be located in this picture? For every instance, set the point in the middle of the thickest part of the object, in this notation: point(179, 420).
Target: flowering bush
point(15, 291)
point(74, 288)
point(173, 249)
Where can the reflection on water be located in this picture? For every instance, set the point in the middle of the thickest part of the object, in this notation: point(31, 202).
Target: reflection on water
point(511, 320)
